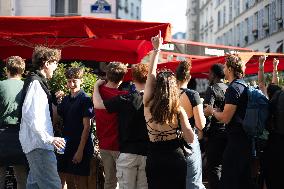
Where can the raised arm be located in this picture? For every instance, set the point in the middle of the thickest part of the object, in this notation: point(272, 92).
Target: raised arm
point(261, 78)
point(275, 78)
point(157, 42)
point(97, 99)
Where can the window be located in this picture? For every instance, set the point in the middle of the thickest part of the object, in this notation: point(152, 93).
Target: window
point(230, 10)
point(119, 4)
point(126, 6)
point(237, 9)
point(73, 7)
point(219, 19)
point(131, 10)
point(266, 16)
point(246, 26)
point(137, 13)
point(65, 7)
point(59, 7)
point(224, 15)
point(279, 10)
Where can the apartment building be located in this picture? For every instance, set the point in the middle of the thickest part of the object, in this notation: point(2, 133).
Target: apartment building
point(193, 20)
point(126, 9)
point(255, 24)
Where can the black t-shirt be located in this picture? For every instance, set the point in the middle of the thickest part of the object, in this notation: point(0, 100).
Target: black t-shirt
point(215, 96)
point(194, 99)
point(73, 110)
point(236, 95)
point(133, 136)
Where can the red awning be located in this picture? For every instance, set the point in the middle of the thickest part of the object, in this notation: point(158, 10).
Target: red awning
point(200, 67)
point(80, 38)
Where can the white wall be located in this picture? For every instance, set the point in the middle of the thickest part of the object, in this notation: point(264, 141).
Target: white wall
point(32, 8)
point(5, 8)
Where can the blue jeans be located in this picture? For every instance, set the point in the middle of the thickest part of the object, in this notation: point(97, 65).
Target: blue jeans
point(43, 170)
point(194, 167)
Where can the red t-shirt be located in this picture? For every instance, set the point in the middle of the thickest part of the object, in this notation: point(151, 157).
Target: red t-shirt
point(107, 123)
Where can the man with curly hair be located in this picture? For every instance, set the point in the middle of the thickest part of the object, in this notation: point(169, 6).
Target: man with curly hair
point(133, 137)
point(107, 123)
point(36, 130)
point(236, 166)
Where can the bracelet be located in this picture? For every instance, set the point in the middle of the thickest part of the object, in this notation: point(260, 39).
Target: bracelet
point(157, 50)
point(260, 67)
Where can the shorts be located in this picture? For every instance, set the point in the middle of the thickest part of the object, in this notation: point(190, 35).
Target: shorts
point(65, 165)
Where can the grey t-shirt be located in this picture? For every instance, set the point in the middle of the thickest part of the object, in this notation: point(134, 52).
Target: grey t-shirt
point(10, 98)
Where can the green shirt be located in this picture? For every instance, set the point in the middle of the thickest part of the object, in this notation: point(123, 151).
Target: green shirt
point(10, 98)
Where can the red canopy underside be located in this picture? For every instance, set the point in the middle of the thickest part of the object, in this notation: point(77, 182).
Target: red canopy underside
point(128, 51)
point(201, 67)
point(80, 38)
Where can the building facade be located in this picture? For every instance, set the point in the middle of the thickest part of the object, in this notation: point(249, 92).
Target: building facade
point(255, 24)
point(193, 20)
point(126, 9)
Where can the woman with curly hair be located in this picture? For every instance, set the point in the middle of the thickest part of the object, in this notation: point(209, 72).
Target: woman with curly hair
point(191, 102)
point(166, 164)
point(236, 167)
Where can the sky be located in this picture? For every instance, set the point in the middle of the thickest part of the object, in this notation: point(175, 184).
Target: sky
point(167, 11)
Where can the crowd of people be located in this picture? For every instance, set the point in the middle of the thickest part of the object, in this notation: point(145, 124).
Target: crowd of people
point(149, 136)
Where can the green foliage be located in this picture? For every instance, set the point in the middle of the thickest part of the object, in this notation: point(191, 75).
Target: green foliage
point(58, 81)
point(3, 73)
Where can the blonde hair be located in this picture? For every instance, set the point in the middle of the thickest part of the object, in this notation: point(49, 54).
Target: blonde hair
point(15, 65)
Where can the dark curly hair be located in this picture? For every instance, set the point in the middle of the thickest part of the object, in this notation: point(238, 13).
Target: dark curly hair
point(165, 100)
point(183, 71)
point(234, 62)
point(42, 54)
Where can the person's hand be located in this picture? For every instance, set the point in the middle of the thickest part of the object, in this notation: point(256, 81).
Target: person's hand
point(77, 158)
point(58, 143)
point(59, 96)
point(275, 63)
point(208, 110)
point(261, 60)
point(157, 41)
point(100, 82)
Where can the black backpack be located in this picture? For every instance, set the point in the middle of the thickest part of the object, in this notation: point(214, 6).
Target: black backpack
point(277, 112)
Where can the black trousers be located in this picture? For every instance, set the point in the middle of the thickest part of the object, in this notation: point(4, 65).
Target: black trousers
point(214, 152)
point(274, 162)
point(236, 167)
point(166, 166)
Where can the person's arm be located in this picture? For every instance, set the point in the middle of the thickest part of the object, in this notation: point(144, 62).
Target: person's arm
point(157, 42)
point(88, 113)
point(199, 117)
point(232, 97)
point(225, 116)
point(187, 132)
point(97, 99)
point(275, 78)
point(261, 78)
point(77, 158)
point(34, 114)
